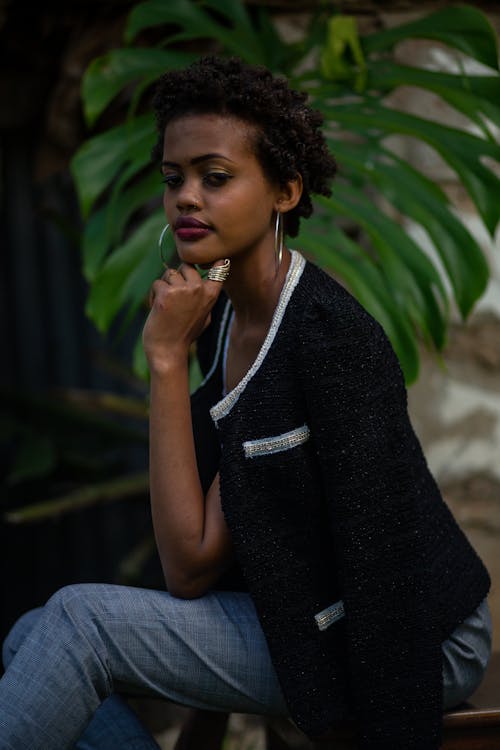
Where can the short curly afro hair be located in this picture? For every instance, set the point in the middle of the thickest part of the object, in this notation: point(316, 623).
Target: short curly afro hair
point(288, 141)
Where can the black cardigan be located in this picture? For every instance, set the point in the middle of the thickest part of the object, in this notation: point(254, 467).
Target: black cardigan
point(329, 501)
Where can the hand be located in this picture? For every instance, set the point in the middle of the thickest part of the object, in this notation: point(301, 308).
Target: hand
point(180, 311)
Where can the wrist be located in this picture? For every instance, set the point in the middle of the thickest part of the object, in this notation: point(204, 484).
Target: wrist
point(164, 367)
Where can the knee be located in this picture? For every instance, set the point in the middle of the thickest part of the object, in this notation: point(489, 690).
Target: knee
point(17, 634)
point(75, 603)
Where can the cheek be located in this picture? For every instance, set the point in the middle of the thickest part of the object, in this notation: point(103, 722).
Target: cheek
point(168, 206)
point(251, 207)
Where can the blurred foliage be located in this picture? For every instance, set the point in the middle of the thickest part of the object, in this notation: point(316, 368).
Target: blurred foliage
point(67, 451)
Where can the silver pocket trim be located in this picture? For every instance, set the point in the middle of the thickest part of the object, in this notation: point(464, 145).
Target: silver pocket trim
point(331, 614)
point(277, 443)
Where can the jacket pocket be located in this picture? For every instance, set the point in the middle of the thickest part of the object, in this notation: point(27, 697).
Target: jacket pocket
point(331, 614)
point(276, 443)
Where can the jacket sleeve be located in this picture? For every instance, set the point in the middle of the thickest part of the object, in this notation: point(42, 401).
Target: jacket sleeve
point(373, 475)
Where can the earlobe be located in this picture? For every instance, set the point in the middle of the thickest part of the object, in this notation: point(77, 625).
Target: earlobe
point(289, 195)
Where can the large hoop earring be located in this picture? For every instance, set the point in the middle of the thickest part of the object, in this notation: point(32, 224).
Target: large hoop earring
point(278, 239)
point(160, 244)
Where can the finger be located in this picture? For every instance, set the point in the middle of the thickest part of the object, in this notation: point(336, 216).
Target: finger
point(189, 272)
point(165, 273)
point(158, 288)
point(174, 278)
point(217, 275)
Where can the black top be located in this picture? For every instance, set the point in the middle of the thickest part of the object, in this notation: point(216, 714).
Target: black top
point(206, 436)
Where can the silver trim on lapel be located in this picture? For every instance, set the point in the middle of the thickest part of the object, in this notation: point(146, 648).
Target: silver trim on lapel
point(276, 444)
point(223, 407)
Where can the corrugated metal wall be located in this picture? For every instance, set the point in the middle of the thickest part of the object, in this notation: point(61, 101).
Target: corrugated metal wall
point(46, 342)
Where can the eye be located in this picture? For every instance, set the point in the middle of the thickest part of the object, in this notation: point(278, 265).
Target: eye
point(172, 180)
point(216, 179)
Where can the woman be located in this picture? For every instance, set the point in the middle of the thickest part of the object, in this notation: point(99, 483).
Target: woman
point(292, 474)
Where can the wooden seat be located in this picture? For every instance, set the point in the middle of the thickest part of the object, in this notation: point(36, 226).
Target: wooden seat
point(473, 726)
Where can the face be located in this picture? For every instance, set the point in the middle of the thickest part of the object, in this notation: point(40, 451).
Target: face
point(217, 199)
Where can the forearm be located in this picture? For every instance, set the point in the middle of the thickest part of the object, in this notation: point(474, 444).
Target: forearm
point(190, 531)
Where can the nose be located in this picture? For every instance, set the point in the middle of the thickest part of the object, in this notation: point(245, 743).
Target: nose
point(188, 197)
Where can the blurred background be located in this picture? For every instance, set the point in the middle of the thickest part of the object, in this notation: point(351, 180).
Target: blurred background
point(73, 422)
point(57, 436)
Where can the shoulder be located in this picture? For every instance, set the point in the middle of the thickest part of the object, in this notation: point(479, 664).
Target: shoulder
point(334, 330)
point(328, 307)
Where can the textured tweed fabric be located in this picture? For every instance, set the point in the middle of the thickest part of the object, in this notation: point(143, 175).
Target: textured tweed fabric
point(329, 500)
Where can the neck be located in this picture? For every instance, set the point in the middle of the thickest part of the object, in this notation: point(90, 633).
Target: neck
point(254, 287)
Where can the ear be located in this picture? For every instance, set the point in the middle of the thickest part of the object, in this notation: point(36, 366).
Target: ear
point(289, 195)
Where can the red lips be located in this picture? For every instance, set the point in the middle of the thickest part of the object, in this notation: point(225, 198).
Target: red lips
point(189, 222)
point(189, 229)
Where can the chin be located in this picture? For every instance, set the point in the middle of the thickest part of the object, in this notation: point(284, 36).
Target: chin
point(196, 257)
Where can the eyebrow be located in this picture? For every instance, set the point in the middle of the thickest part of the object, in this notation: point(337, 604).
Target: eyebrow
point(197, 159)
